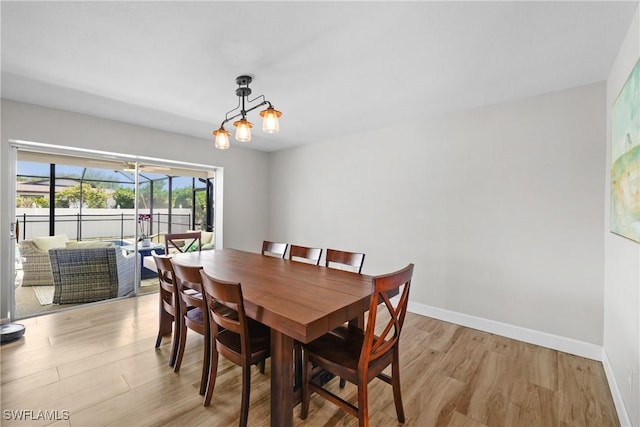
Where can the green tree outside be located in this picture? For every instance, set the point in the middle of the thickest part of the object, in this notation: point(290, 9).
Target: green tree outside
point(124, 197)
point(184, 197)
point(92, 197)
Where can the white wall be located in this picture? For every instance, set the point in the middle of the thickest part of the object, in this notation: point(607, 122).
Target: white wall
point(245, 171)
point(622, 262)
point(499, 208)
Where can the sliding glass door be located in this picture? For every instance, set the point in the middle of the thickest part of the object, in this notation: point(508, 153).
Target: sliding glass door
point(84, 224)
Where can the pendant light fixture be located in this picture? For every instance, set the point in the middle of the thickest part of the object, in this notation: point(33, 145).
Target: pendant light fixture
point(243, 126)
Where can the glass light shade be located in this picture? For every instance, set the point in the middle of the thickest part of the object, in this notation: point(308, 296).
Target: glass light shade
point(270, 120)
point(243, 130)
point(222, 138)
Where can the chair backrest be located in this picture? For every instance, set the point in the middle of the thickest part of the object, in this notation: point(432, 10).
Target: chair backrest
point(343, 258)
point(167, 286)
point(379, 344)
point(302, 253)
point(188, 286)
point(274, 248)
point(222, 296)
point(183, 242)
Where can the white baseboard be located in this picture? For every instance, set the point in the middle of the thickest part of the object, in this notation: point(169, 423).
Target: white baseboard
point(567, 345)
point(621, 408)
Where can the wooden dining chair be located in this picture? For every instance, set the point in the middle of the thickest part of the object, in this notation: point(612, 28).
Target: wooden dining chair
point(240, 339)
point(351, 261)
point(169, 305)
point(193, 311)
point(305, 254)
point(344, 260)
point(182, 242)
point(274, 249)
point(359, 355)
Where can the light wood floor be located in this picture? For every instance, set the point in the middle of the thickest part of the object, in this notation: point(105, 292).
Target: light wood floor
point(99, 363)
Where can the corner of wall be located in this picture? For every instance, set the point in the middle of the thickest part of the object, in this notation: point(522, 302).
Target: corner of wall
point(621, 408)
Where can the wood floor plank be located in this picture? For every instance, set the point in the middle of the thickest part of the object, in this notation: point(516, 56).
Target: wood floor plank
point(487, 395)
point(459, 420)
point(444, 335)
point(583, 401)
point(465, 355)
point(99, 363)
point(538, 365)
point(432, 401)
point(73, 394)
point(31, 382)
point(532, 405)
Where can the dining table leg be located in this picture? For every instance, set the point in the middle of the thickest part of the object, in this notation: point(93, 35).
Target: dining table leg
point(281, 380)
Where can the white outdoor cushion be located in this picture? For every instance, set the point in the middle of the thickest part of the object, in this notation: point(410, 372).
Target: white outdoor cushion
point(45, 243)
point(88, 245)
point(206, 237)
point(150, 263)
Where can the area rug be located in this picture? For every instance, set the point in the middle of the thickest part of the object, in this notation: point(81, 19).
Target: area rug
point(44, 294)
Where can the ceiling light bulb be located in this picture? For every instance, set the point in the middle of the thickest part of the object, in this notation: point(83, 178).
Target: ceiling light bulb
point(243, 130)
point(222, 138)
point(270, 120)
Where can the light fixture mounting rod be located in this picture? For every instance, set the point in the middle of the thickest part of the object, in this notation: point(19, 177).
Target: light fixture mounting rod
point(243, 80)
point(243, 91)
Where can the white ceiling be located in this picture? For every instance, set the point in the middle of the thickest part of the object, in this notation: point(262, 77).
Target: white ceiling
point(332, 68)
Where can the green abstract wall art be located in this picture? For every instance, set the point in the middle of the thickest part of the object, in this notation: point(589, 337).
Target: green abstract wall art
point(625, 159)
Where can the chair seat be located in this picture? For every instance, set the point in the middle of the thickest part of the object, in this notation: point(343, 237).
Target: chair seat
point(340, 349)
point(195, 314)
point(260, 339)
point(334, 347)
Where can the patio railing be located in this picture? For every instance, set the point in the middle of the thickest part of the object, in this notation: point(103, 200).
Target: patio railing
point(79, 226)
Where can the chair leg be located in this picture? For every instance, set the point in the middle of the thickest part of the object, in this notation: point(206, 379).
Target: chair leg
point(306, 369)
point(175, 342)
point(159, 339)
point(261, 365)
point(297, 364)
point(395, 379)
point(363, 403)
point(164, 327)
point(343, 382)
point(182, 340)
point(206, 361)
point(246, 392)
point(213, 373)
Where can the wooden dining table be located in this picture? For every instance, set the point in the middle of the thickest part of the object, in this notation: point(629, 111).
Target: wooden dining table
point(298, 301)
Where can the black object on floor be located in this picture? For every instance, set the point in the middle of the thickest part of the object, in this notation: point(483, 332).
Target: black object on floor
point(11, 332)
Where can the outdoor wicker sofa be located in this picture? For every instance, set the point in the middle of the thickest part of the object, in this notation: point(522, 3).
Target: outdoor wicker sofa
point(36, 265)
point(91, 274)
